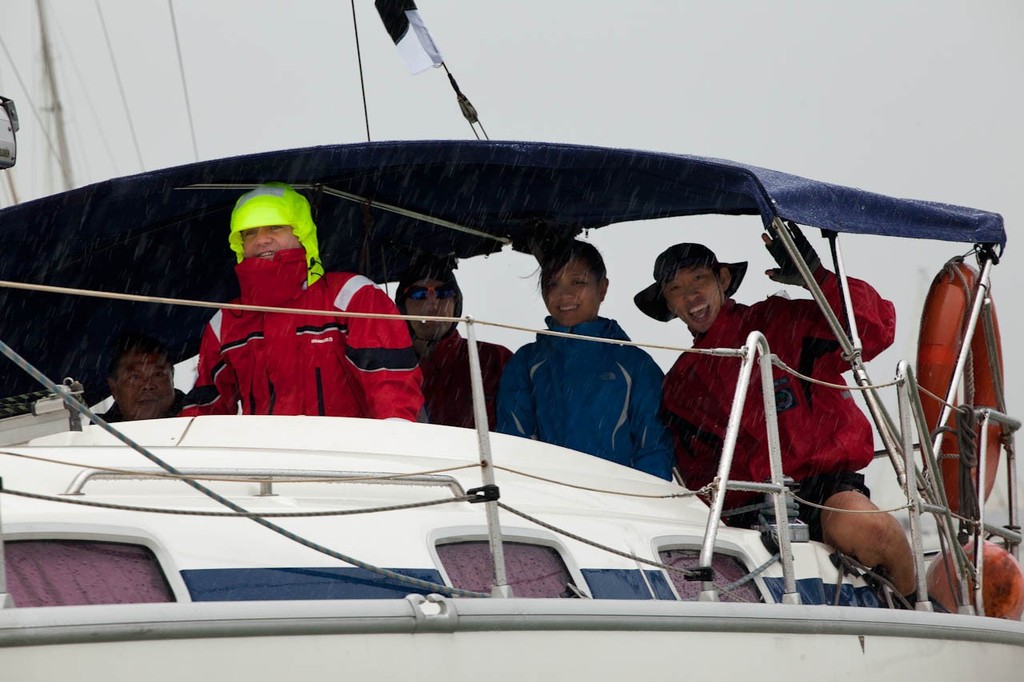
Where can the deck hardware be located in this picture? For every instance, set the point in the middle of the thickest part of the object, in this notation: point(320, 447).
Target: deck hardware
point(485, 493)
point(700, 574)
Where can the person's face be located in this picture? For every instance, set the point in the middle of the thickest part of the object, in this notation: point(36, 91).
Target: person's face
point(264, 242)
point(143, 386)
point(695, 295)
point(433, 298)
point(574, 295)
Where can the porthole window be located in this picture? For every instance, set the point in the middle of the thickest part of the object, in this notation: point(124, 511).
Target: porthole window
point(728, 570)
point(72, 572)
point(532, 570)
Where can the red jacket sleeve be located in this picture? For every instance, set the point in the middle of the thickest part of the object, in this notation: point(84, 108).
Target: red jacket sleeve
point(874, 315)
point(381, 354)
point(216, 388)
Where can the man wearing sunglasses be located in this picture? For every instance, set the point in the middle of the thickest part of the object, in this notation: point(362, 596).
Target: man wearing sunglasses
point(429, 288)
point(299, 363)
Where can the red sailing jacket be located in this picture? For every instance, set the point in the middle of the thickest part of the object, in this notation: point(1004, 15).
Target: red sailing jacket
point(446, 383)
point(821, 429)
point(289, 363)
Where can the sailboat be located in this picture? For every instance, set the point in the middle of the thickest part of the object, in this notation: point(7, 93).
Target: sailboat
point(271, 545)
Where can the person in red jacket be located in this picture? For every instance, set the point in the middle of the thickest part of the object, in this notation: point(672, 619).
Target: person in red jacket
point(429, 288)
point(825, 437)
point(298, 363)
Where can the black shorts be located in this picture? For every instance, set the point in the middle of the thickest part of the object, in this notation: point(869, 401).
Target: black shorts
point(817, 489)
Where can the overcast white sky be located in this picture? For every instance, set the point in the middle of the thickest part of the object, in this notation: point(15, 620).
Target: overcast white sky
point(915, 99)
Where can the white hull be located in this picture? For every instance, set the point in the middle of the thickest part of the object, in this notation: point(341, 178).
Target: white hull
point(503, 640)
point(216, 633)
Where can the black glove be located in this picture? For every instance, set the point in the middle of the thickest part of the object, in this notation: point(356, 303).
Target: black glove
point(787, 273)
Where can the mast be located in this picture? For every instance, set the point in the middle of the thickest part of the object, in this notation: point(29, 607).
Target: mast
point(55, 106)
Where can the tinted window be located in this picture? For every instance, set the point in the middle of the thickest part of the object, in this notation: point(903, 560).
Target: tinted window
point(69, 572)
point(728, 570)
point(532, 570)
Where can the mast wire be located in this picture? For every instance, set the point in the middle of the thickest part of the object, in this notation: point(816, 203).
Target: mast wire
point(184, 83)
point(32, 105)
point(120, 86)
point(467, 108)
point(83, 157)
point(56, 108)
point(362, 82)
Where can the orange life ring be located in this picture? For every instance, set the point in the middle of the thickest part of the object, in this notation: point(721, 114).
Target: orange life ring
point(943, 326)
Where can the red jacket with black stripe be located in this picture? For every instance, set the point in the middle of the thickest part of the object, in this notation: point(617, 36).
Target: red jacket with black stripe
point(293, 363)
point(821, 429)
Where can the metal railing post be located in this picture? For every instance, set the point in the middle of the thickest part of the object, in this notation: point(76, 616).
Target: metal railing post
point(961, 361)
point(755, 341)
point(922, 602)
point(501, 587)
point(771, 419)
point(6, 602)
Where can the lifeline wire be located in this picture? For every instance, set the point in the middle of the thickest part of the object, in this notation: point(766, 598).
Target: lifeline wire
point(84, 410)
point(580, 538)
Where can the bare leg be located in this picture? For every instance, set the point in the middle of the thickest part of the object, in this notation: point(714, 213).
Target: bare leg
point(873, 539)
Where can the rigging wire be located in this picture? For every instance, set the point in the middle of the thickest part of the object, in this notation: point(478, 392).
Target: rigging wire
point(467, 108)
point(184, 83)
point(120, 86)
point(85, 411)
point(362, 82)
point(32, 105)
point(56, 108)
point(88, 99)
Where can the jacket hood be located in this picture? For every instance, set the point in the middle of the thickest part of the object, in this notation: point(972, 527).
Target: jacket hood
point(276, 203)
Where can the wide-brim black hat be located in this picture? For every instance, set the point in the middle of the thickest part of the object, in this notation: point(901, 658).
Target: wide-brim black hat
point(651, 301)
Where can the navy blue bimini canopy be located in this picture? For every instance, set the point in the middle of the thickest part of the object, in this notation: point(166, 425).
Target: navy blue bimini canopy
point(165, 233)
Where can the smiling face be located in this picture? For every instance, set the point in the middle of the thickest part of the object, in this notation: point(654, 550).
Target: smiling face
point(573, 295)
point(695, 295)
point(143, 386)
point(264, 242)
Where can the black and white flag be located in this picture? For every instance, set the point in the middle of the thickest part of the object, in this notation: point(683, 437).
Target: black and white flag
point(403, 22)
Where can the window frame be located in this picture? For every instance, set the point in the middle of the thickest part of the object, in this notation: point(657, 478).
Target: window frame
point(722, 548)
point(528, 536)
point(19, 532)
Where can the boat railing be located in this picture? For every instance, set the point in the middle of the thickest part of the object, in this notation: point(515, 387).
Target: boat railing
point(266, 478)
point(899, 443)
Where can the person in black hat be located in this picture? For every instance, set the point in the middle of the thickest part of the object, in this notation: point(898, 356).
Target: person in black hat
point(825, 437)
point(429, 288)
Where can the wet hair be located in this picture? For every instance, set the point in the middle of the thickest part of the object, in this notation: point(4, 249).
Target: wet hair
point(559, 257)
point(134, 342)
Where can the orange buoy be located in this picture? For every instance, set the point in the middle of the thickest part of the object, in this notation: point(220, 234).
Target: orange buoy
point(943, 327)
point(1002, 591)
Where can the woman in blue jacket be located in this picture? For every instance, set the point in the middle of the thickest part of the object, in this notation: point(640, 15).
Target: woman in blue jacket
point(598, 398)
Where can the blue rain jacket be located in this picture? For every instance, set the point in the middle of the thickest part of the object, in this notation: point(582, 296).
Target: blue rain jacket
point(594, 397)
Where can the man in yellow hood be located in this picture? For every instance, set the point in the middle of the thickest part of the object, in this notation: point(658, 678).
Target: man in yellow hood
point(301, 363)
